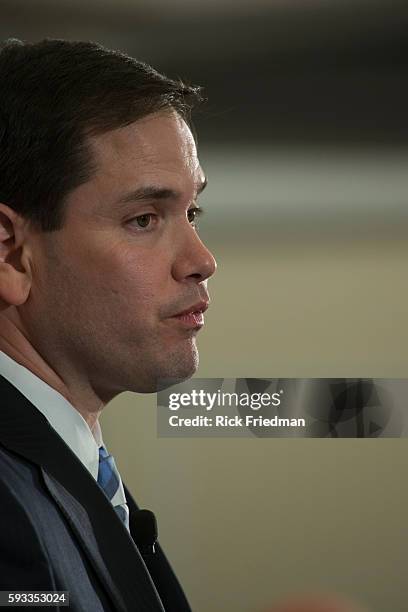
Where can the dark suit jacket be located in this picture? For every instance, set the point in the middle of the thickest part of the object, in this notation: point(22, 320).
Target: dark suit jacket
point(58, 530)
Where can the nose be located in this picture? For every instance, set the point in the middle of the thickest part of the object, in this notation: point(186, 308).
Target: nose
point(193, 262)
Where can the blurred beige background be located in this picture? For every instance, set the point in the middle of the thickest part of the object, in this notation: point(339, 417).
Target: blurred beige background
point(247, 520)
point(305, 143)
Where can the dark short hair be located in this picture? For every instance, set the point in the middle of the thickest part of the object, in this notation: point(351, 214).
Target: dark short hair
point(55, 94)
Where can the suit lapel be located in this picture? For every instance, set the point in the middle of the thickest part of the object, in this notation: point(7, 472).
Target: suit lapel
point(103, 537)
point(80, 524)
point(167, 584)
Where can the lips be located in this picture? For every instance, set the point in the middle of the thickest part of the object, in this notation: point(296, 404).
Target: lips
point(200, 307)
point(192, 317)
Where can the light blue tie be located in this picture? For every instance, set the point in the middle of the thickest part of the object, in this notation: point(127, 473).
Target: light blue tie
point(109, 481)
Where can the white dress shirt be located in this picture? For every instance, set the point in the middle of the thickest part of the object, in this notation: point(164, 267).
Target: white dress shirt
point(63, 417)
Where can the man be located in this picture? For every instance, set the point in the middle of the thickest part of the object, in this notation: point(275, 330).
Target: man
point(103, 286)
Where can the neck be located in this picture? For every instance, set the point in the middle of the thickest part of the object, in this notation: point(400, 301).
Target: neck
point(15, 342)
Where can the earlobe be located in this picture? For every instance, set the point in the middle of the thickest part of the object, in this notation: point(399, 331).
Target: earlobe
point(15, 279)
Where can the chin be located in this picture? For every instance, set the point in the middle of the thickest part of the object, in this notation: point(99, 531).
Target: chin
point(176, 375)
point(175, 369)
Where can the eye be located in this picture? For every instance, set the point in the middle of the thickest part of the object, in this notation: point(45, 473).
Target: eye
point(143, 221)
point(193, 214)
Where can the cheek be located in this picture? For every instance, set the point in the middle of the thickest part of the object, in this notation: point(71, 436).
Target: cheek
point(107, 275)
point(132, 281)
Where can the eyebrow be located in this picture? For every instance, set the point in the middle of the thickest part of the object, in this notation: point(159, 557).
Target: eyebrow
point(151, 192)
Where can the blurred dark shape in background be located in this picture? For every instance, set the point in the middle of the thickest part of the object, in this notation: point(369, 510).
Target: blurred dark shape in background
point(314, 72)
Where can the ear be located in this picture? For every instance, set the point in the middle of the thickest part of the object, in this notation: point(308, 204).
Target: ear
point(15, 270)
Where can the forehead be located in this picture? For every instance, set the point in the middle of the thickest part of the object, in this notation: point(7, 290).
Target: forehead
point(160, 144)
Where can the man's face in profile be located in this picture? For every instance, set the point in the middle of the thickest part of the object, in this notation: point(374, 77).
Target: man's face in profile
point(106, 287)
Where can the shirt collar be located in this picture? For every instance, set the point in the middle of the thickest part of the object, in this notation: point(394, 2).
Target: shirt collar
point(62, 415)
